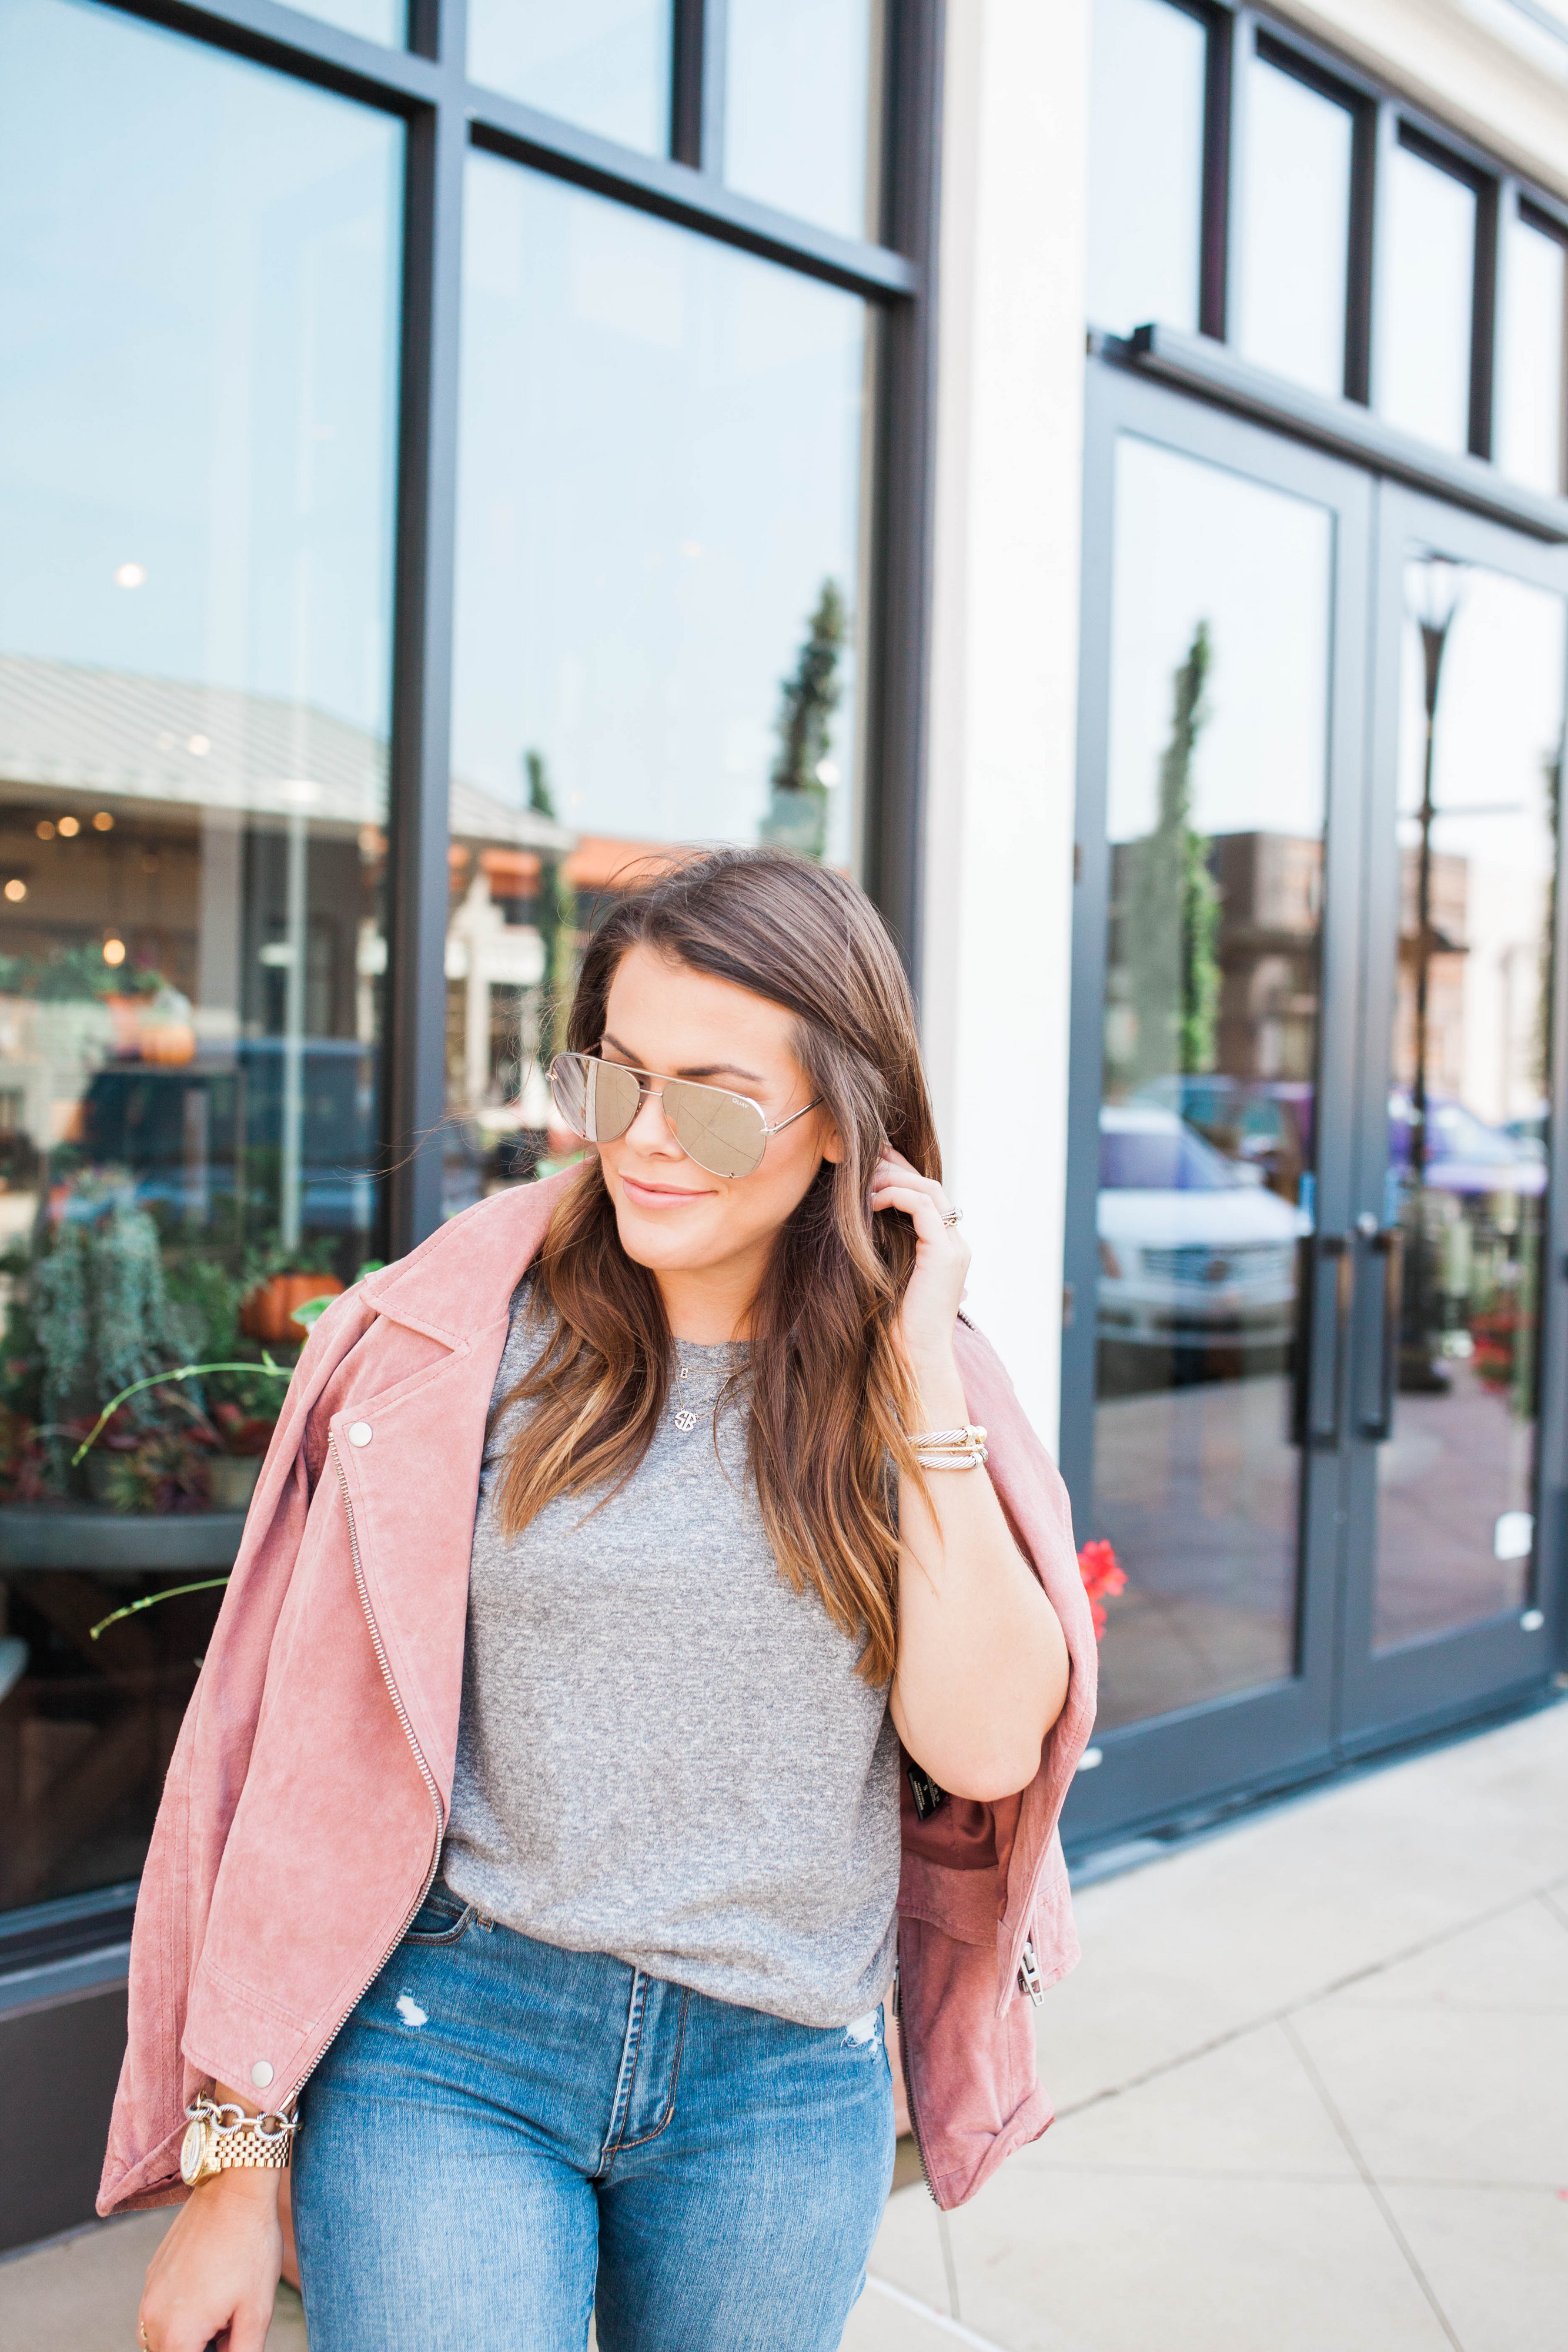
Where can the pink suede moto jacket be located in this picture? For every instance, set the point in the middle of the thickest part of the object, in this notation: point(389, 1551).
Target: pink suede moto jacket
point(302, 1817)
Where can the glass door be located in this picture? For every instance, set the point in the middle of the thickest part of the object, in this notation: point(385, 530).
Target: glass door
point(1455, 1445)
point(1214, 993)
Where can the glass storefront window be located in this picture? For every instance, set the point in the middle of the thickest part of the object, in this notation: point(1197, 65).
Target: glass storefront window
point(604, 64)
point(1531, 331)
point(1294, 250)
point(660, 597)
point(199, 267)
point(1469, 1165)
point(1427, 268)
point(1149, 71)
point(1216, 785)
point(802, 103)
point(373, 20)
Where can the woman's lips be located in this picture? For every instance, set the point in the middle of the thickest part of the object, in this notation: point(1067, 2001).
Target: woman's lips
point(659, 1196)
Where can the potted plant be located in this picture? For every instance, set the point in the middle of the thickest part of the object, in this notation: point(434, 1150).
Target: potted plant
point(281, 1281)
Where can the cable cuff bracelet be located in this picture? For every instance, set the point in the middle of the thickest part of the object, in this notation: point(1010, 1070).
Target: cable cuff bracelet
point(951, 1449)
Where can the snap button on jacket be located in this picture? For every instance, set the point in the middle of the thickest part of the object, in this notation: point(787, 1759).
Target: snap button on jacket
point(302, 1816)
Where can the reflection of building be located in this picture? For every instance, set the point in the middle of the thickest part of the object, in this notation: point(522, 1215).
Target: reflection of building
point(1266, 944)
point(1270, 913)
point(240, 843)
point(1447, 972)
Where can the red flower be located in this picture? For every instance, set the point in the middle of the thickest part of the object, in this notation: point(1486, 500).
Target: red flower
point(1104, 1579)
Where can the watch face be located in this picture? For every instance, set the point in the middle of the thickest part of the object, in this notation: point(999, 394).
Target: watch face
point(193, 2148)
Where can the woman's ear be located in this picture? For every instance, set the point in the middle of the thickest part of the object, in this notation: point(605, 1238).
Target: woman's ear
point(834, 1145)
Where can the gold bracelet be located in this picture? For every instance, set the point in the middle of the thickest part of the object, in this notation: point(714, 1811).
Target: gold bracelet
point(213, 2144)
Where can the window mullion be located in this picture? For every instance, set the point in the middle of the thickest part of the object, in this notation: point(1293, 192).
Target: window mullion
point(1484, 317)
point(686, 69)
point(1229, 45)
point(1359, 276)
point(415, 1089)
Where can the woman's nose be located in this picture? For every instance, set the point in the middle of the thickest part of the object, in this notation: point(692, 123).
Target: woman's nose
point(651, 1130)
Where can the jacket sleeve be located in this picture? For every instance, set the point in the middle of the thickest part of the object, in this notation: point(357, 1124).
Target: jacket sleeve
point(201, 1788)
point(1035, 1498)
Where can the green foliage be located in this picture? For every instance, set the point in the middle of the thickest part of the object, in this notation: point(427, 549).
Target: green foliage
point(167, 1471)
point(311, 1254)
point(103, 1316)
point(1171, 913)
point(198, 1284)
point(76, 975)
point(798, 808)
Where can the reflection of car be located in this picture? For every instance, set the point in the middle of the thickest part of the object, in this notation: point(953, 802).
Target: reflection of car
point(1193, 1249)
point(1529, 1134)
point(1464, 1154)
point(1266, 1123)
point(211, 1127)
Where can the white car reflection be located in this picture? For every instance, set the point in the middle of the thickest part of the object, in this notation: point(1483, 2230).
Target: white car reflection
point(1193, 1251)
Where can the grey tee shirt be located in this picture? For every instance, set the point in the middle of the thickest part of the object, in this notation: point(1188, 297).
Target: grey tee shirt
point(665, 1753)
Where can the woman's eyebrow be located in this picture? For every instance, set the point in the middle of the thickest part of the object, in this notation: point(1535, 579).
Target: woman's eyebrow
point(692, 1069)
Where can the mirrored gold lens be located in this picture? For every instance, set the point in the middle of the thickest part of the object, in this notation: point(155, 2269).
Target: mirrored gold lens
point(598, 1100)
point(569, 1087)
point(613, 1095)
point(722, 1133)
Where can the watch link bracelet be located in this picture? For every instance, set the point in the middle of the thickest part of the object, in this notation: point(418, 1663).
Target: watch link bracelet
point(219, 2138)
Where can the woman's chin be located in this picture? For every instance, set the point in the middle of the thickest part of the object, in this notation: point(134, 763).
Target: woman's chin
point(665, 1241)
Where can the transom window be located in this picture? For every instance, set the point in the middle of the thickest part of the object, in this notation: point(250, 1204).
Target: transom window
point(1248, 186)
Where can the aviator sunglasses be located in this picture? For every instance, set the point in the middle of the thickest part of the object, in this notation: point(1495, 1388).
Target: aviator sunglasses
point(726, 1134)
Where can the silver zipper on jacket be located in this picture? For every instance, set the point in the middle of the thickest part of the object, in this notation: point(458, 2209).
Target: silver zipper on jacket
point(425, 1773)
point(909, 2084)
point(1028, 1976)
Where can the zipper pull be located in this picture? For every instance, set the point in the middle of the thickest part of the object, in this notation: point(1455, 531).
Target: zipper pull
point(896, 2010)
point(1029, 1976)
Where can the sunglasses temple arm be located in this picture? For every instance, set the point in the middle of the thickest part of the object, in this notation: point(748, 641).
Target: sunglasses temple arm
point(792, 1117)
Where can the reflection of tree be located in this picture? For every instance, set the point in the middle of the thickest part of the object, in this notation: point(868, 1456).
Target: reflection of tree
point(1171, 916)
point(798, 808)
point(556, 917)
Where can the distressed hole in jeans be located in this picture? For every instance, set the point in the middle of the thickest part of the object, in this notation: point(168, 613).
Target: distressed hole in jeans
point(865, 2029)
point(409, 2009)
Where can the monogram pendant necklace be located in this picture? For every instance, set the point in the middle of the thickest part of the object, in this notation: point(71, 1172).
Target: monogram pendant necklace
point(686, 1416)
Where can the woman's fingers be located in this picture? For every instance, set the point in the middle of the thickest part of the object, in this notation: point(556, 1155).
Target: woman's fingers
point(894, 1170)
point(924, 1211)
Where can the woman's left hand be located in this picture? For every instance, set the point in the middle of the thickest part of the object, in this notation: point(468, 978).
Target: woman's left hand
point(930, 1307)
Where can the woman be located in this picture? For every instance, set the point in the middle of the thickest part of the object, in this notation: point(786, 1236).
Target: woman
point(622, 1562)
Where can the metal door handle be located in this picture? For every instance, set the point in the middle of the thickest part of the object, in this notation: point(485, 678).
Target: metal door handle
point(1306, 1427)
point(1388, 1243)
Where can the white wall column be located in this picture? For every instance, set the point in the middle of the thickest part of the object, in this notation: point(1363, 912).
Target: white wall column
point(1004, 676)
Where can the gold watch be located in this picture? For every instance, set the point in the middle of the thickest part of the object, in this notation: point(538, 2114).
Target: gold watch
point(217, 2138)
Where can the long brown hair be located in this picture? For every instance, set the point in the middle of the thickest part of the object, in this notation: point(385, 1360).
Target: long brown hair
point(830, 1397)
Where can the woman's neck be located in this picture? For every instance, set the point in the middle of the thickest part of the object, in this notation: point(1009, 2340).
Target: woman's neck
point(709, 1304)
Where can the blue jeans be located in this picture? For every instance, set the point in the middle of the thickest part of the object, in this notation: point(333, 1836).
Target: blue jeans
point(506, 2136)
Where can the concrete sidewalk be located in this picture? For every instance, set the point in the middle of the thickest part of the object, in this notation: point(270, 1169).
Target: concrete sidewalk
point(1311, 2079)
point(1312, 2083)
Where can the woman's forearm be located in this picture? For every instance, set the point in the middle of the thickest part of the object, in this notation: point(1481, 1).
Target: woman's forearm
point(982, 1661)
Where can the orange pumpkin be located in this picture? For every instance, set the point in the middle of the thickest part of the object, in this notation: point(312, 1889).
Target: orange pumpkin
point(268, 1313)
point(168, 1041)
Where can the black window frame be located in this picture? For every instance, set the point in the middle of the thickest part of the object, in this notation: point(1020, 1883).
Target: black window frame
point(426, 84)
point(1384, 118)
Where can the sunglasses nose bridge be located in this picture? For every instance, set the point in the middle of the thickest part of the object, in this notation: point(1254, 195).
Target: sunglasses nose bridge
point(664, 1128)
